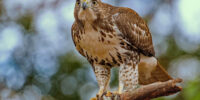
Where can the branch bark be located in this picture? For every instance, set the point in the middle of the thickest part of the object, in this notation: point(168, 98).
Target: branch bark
point(148, 92)
point(153, 90)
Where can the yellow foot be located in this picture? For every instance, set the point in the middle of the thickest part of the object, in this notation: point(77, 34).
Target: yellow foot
point(93, 99)
point(109, 94)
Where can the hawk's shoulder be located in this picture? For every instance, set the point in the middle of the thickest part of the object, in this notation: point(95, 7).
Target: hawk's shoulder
point(134, 29)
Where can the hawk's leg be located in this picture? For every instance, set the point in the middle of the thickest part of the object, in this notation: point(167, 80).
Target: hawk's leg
point(103, 76)
point(128, 78)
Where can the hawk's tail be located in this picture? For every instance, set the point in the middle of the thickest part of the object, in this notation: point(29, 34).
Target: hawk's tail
point(158, 74)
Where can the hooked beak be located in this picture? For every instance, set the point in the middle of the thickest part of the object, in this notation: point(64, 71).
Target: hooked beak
point(84, 4)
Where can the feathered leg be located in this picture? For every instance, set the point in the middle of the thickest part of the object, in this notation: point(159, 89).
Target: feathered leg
point(128, 78)
point(103, 76)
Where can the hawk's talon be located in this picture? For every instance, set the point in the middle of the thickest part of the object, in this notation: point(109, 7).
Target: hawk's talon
point(98, 97)
point(109, 94)
point(101, 96)
point(104, 94)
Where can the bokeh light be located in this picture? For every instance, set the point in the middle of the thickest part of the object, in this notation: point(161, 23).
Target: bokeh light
point(38, 60)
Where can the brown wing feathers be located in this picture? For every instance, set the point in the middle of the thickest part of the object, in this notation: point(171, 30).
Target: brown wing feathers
point(135, 30)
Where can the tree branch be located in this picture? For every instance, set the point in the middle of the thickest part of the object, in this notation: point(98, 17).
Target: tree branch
point(148, 92)
point(153, 90)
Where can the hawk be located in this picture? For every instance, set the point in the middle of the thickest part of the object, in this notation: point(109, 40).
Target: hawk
point(110, 36)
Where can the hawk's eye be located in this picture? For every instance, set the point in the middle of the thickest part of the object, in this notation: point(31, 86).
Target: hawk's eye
point(78, 2)
point(94, 2)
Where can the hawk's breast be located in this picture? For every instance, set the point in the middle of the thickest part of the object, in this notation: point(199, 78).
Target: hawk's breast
point(104, 47)
point(99, 45)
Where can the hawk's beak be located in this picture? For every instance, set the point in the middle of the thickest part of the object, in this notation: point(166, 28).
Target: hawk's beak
point(84, 4)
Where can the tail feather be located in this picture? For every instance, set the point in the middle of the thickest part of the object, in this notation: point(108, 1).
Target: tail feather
point(158, 74)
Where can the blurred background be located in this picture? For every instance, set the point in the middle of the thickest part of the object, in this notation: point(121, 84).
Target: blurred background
point(38, 60)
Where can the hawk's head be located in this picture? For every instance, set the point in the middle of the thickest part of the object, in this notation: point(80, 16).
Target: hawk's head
point(87, 10)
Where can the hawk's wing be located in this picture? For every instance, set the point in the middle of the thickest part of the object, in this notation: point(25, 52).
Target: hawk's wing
point(135, 30)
